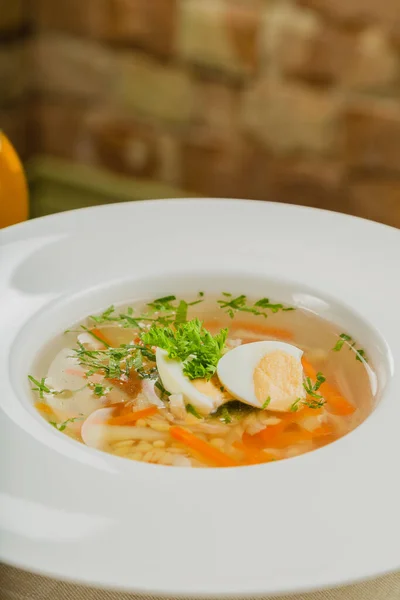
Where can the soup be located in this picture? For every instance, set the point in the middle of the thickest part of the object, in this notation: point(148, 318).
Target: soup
point(205, 382)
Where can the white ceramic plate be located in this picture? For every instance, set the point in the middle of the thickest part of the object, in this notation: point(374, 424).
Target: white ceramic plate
point(325, 518)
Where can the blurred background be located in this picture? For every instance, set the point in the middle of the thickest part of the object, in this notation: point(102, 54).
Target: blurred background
point(288, 100)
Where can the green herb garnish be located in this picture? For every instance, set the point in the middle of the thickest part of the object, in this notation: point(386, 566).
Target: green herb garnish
point(96, 337)
point(295, 406)
point(41, 386)
point(164, 393)
point(181, 313)
point(311, 388)
point(231, 306)
point(190, 343)
point(266, 403)
point(225, 415)
point(110, 361)
point(314, 403)
point(192, 411)
point(63, 425)
point(163, 304)
point(344, 338)
point(100, 390)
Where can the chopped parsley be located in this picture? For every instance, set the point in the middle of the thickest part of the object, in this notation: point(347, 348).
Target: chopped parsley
point(100, 390)
point(266, 403)
point(95, 336)
point(163, 304)
point(315, 400)
point(313, 403)
point(64, 424)
point(225, 415)
point(344, 338)
point(232, 305)
point(190, 343)
point(163, 392)
point(41, 386)
point(192, 411)
point(295, 406)
point(181, 313)
point(311, 388)
point(110, 361)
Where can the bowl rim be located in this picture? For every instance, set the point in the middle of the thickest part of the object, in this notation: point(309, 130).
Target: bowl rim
point(287, 571)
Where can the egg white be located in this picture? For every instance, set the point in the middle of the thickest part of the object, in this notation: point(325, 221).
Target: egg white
point(175, 382)
point(236, 369)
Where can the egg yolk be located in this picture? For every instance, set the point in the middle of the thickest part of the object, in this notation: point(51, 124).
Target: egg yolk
point(278, 376)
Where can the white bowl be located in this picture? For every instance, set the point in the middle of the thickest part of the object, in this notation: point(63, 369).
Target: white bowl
point(325, 518)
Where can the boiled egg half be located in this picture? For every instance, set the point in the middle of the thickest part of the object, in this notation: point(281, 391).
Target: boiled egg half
point(202, 394)
point(264, 374)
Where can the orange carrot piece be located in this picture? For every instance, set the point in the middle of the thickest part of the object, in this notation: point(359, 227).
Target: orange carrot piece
point(291, 438)
point(275, 332)
point(75, 372)
point(132, 417)
point(322, 431)
point(253, 456)
point(335, 402)
point(206, 450)
point(44, 408)
point(263, 438)
point(100, 336)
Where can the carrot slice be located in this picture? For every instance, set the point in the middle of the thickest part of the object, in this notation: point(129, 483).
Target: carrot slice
point(75, 372)
point(253, 456)
point(96, 333)
point(206, 450)
point(275, 332)
point(133, 416)
point(291, 438)
point(263, 438)
point(335, 402)
point(44, 408)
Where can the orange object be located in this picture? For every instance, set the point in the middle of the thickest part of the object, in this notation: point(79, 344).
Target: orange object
point(44, 408)
point(99, 335)
point(274, 332)
point(335, 402)
point(253, 456)
point(291, 438)
point(132, 417)
point(211, 454)
point(13, 187)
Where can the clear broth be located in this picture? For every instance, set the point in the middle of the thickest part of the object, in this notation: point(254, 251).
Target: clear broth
point(247, 438)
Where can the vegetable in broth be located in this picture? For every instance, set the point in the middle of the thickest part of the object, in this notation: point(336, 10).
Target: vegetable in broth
point(204, 382)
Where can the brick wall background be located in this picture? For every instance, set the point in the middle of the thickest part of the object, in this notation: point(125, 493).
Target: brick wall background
point(292, 100)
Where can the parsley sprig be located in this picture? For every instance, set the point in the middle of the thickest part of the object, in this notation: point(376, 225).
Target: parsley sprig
point(344, 338)
point(314, 399)
point(164, 311)
point(64, 424)
point(232, 305)
point(112, 362)
point(192, 411)
point(43, 388)
point(190, 343)
point(311, 388)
